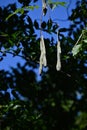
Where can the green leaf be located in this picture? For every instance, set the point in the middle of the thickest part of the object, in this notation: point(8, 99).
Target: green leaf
point(85, 41)
point(53, 5)
point(2, 34)
point(67, 105)
point(76, 49)
point(21, 10)
point(31, 7)
point(11, 42)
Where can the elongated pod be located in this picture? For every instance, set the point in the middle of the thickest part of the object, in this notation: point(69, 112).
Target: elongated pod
point(43, 61)
point(58, 65)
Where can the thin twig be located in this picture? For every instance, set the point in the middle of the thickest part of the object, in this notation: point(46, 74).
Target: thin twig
point(79, 38)
point(41, 23)
point(18, 55)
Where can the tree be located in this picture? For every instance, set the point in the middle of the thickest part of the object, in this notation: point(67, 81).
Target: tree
point(52, 102)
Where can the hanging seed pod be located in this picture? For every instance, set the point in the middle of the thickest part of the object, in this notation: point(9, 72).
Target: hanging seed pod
point(44, 7)
point(58, 65)
point(43, 61)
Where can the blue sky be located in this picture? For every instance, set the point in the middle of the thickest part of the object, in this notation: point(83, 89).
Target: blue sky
point(58, 13)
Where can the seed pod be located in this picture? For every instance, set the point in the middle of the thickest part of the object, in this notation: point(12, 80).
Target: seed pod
point(43, 61)
point(58, 65)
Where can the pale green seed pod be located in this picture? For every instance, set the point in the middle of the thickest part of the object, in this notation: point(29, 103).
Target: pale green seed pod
point(43, 61)
point(58, 65)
